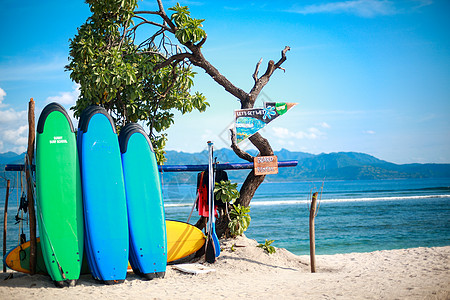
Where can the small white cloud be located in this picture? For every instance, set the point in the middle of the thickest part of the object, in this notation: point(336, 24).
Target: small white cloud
point(16, 138)
point(12, 116)
point(13, 128)
point(325, 125)
point(66, 98)
point(2, 96)
point(369, 132)
point(281, 132)
point(284, 133)
point(361, 8)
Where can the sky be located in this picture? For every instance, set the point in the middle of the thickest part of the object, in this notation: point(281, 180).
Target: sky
point(369, 76)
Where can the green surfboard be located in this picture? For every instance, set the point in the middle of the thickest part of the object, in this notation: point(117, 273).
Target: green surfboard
point(59, 200)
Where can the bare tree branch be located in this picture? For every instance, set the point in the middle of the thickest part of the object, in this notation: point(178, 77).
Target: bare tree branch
point(264, 79)
point(200, 44)
point(199, 60)
point(239, 152)
point(170, 60)
point(145, 21)
point(152, 52)
point(255, 74)
point(161, 13)
point(150, 12)
point(283, 56)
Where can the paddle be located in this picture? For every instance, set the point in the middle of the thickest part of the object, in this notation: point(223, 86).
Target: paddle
point(213, 214)
point(211, 249)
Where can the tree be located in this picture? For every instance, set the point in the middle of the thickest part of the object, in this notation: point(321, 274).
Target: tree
point(190, 35)
point(128, 79)
point(120, 75)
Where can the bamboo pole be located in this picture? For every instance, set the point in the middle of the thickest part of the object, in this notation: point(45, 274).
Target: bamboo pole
point(312, 238)
point(5, 222)
point(30, 187)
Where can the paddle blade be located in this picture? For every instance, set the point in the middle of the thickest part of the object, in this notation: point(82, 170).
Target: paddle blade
point(210, 254)
point(216, 242)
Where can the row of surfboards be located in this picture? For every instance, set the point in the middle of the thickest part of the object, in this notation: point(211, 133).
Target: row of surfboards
point(100, 194)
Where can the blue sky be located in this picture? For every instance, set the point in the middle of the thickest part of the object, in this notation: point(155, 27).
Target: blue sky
point(369, 76)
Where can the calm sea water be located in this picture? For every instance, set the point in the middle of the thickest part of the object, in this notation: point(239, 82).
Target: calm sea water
point(354, 216)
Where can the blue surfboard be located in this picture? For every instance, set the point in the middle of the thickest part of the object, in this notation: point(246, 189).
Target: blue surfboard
point(104, 202)
point(82, 124)
point(146, 221)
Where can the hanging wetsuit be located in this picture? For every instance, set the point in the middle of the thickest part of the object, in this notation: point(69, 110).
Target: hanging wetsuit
point(202, 192)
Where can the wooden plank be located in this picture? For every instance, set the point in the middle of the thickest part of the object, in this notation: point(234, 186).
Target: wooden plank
point(30, 185)
point(265, 165)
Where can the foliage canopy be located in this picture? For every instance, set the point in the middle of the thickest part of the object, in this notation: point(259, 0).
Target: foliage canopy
point(116, 72)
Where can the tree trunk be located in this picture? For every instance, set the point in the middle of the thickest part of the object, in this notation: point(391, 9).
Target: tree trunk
point(249, 187)
point(195, 56)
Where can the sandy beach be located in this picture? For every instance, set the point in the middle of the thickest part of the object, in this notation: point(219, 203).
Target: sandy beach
point(250, 273)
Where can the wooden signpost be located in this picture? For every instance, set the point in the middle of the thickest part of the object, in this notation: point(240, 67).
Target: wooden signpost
point(5, 221)
point(264, 165)
point(30, 187)
point(312, 236)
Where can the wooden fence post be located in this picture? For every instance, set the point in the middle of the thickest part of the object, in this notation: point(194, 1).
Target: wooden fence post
point(30, 185)
point(5, 222)
point(312, 239)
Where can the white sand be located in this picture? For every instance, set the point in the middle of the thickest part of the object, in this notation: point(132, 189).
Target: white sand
point(249, 272)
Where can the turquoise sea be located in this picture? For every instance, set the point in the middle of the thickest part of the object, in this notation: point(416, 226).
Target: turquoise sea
point(354, 216)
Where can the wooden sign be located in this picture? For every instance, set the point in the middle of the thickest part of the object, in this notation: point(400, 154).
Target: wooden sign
point(264, 165)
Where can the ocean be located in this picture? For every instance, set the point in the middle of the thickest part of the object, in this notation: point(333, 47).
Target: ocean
point(353, 216)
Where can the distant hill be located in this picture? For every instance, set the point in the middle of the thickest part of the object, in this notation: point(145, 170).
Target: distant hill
point(331, 166)
point(11, 158)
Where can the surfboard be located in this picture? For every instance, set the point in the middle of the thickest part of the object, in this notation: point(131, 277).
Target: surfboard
point(59, 200)
point(104, 202)
point(183, 239)
point(81, 124)
point(18, 259)
point(146, 221)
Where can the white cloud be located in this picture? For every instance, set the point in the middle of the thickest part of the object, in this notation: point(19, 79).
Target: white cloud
point(369, 132)
point(361, 8)
point(325, 125)
point(12, 116)
point(17, 136)
point(284, 133)
point(2, 96)
point(66, 98)
point(13, 128)
point(14, 139)
point(281, 132)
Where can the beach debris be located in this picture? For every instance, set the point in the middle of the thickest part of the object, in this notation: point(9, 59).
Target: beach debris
point(194, 268)
point(10, 276)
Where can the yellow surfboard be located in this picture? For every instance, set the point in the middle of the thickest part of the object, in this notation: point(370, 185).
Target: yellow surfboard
point(183, 239)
